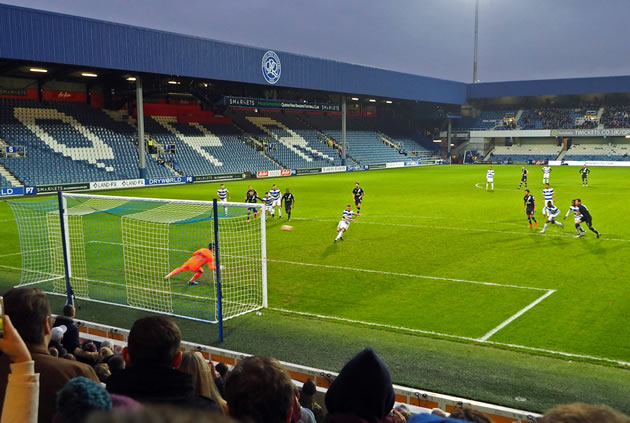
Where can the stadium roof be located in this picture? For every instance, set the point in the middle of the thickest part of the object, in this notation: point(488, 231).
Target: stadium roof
point(41, 36)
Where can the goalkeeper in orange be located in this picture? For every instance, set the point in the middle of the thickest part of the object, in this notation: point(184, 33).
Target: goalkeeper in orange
point(195, 263)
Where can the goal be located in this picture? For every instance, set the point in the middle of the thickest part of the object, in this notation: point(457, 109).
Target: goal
point(118, 250)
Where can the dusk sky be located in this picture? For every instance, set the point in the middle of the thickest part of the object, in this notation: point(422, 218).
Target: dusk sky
point(518, 39)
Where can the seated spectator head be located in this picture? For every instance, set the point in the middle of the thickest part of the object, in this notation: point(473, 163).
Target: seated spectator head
point(363, 388)
point(107, 343)
point(221, 368)
point(116, 363)
point(194, 364)
point(30, 311)
point(306, 393)
point(80, 397)
point(260, 390)
point(70, 357)
point(53, 351)
point(69, 311)
point(89, 347)
point(468, 414)
point(102, 371)
point(104, 353)
point(583, 413)
point(56, 333)
point(154, 341)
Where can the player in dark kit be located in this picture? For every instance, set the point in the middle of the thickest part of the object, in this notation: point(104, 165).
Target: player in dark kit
point(584, 171)
point(529, 205)
point(523, 178)
point(289, 202)
point(252, 197)
point(585, 216)
point(357, 194)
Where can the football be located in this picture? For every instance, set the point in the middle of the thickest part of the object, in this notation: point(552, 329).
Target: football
point(286, 227)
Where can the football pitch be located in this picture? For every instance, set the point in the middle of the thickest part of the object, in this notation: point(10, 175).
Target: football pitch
point(434, 255)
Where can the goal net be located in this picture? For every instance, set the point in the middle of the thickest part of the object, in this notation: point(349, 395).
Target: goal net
point(120, 249)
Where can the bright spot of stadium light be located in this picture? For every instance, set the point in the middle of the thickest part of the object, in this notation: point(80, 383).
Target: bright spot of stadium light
point(437, 140)
point(452, 145)
point(173, 82)
point(628, 136)
point(388, 101)
point(89, 74)
point(40, 70)
point(355, 98)
point(131, 79)
point(372, 100)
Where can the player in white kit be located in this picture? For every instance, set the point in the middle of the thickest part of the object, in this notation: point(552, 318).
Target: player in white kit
point(548, 195)
point(552, 213)
point(344, 223)
point(546, 172)
point(490, 178)
point(223, 195)
point(277, 201)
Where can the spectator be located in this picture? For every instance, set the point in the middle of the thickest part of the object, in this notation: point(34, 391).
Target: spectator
point(71, 337)
point(104, 353)
point(30, 314)
point(195, 365)
point(583, 413)
point(260, 390)
point(152, 355)
point(56, 339)
point(468, 414)
point(22, 390)
point(79, 398)
point(363, 391)
point(307, 394)
point(87, 353)
point(102, 371)
point(53, 351)
point(70, 357)
point(222, 370)
point(115, 363)
point(300, 414)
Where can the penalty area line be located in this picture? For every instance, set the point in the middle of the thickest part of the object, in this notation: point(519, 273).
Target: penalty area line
point(408, 275)
point(516, 315)
point(10, 254)
point(454, 337)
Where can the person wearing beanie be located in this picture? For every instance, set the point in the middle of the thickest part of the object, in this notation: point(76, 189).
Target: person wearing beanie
point(363, 391)
point(80, 397)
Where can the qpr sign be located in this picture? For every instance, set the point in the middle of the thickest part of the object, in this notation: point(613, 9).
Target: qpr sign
point(271, 67)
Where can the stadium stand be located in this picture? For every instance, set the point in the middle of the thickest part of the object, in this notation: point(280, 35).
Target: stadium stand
point(487, 120)
point(616, 117)
point(526, 152)
point(364, 146)
point(67, 142)
point(203, 148)
point(607, 152)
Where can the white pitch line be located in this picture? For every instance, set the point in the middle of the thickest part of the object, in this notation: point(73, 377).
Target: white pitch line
point(10, 254)
point(459, 337)
point(516, 316)
point(408, 275)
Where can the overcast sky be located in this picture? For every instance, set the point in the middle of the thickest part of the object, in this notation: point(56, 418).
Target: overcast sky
point(518, 39)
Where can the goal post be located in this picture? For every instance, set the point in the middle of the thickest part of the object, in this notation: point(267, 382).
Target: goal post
point(119, 250)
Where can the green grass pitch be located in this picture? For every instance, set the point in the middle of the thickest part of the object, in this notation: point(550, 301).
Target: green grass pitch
point(436, 259)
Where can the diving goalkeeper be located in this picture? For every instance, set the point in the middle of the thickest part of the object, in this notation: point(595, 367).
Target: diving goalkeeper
point(195, 264)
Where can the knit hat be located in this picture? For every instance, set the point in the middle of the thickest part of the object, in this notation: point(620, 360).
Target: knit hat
point(79, 398)
point(57, 333)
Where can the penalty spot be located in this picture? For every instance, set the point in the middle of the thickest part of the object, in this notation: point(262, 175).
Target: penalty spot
point(286, 227)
